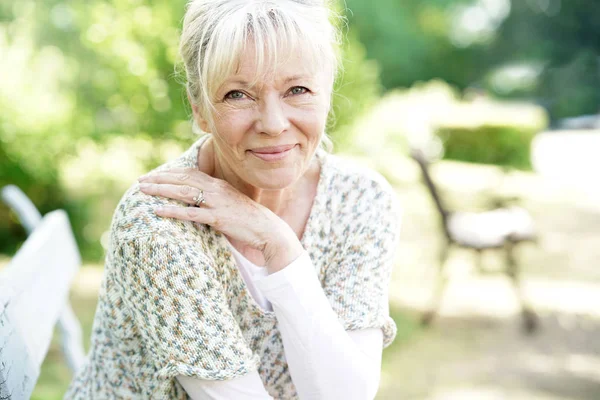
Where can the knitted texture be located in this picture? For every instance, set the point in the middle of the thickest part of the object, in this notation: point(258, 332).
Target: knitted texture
point(173, 302)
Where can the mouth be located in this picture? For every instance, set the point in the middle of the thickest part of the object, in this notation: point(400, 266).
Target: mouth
point(273, 153)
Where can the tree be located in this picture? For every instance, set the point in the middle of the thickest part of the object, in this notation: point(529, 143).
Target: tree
point(84, 74)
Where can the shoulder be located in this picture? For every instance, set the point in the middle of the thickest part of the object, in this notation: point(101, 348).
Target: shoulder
point(143, 244)
point(358, 190)
point(134, 217)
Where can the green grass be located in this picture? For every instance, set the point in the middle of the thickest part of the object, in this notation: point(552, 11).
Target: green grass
point(408, 328)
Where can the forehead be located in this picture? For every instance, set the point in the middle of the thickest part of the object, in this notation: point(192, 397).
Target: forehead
point(285, 63)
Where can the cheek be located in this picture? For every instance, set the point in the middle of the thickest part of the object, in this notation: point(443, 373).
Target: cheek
point(311, 114)
point(233, 124)
point(311, 120)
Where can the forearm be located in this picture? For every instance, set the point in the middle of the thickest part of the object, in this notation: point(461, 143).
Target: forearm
point(324, 361)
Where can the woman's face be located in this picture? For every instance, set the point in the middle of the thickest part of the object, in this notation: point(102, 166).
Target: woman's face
point(267, 133)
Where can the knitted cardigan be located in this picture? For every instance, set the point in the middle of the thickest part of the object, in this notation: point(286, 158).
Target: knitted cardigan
point(172, 301)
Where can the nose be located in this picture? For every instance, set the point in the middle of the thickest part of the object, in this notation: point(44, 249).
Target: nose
point(273, 120)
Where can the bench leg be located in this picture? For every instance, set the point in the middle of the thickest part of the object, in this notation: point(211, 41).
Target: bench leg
point(530, 319)
point(440, 287)
point(71, 341)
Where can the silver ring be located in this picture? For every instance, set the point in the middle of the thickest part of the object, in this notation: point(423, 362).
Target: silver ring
point(199, 199)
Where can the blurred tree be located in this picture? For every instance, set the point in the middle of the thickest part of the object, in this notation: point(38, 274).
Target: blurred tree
point(411, 40)
point(76, 70)
point(356, 91)
point(544, 50)
point(82, 77)
point(564, 38)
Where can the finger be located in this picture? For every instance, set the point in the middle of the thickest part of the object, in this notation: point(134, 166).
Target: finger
point(184, 193)
point(185, 170)
point(189, 177)
point(196, 214)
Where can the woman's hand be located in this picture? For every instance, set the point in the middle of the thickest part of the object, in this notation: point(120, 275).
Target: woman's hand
point(227, 210)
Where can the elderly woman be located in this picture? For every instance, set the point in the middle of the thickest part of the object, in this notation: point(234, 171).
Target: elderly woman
point(256, 265)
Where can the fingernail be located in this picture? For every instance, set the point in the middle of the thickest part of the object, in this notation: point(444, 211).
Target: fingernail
point(144, 185)
point(142, 178)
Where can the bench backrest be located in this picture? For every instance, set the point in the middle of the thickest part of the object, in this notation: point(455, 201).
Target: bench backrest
point(34, 290)
point(423, 163)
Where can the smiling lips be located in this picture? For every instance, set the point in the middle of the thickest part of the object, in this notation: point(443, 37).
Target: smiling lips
point(273, 153)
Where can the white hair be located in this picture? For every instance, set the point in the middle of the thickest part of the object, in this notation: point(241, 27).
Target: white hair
point(216, 33)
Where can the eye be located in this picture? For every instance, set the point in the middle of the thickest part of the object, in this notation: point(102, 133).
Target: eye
point(298, 90)
point(234, 95)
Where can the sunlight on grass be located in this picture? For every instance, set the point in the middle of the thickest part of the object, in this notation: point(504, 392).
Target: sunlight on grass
point(408, 329)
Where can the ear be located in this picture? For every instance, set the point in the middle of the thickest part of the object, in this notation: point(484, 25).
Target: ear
point(202, 123)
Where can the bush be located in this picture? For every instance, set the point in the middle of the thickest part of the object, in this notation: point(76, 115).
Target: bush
point(500, 145)
point(489, 131)
point(473, 128)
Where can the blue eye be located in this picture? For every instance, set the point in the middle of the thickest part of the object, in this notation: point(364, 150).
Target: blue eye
point(234, 95)
point(298, 90)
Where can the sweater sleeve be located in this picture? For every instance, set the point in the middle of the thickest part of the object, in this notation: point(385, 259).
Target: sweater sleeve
point(180, 310)
point(250, 387)
point(324, 360)
point(357, 283)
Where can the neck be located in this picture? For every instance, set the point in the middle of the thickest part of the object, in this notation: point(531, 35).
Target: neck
point(275, 200)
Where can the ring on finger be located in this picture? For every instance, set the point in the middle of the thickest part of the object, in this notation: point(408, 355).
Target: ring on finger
point(199, 199)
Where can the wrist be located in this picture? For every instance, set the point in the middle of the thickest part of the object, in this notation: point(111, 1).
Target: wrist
point(281, 248)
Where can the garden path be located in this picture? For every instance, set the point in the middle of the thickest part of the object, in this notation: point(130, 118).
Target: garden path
point(476, 350)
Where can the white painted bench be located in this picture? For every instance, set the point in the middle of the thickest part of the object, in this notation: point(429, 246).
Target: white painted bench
point(34, 289)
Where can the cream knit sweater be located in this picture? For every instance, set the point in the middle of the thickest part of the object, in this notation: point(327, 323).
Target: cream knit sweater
point(173, 302)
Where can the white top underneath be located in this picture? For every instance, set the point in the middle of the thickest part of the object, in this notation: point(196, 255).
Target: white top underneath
point(250, 272)
point(325, 361)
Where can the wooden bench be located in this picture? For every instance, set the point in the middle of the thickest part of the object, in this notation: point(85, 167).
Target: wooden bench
point(500, 228)
point(34, 289)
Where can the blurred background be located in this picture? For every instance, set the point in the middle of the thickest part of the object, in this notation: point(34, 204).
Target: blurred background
point(502, 95)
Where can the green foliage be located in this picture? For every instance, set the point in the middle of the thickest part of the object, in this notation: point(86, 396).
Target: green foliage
point(91, 99)
point(464, 42)
point(356, 91)
point(411, 41)
point(90, 96)
point(81, 71)
point(501, 145)
point(573, 88)
point(562, 36)
point(473, 128)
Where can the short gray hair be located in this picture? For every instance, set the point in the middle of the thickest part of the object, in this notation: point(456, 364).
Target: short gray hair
point(215, 33)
